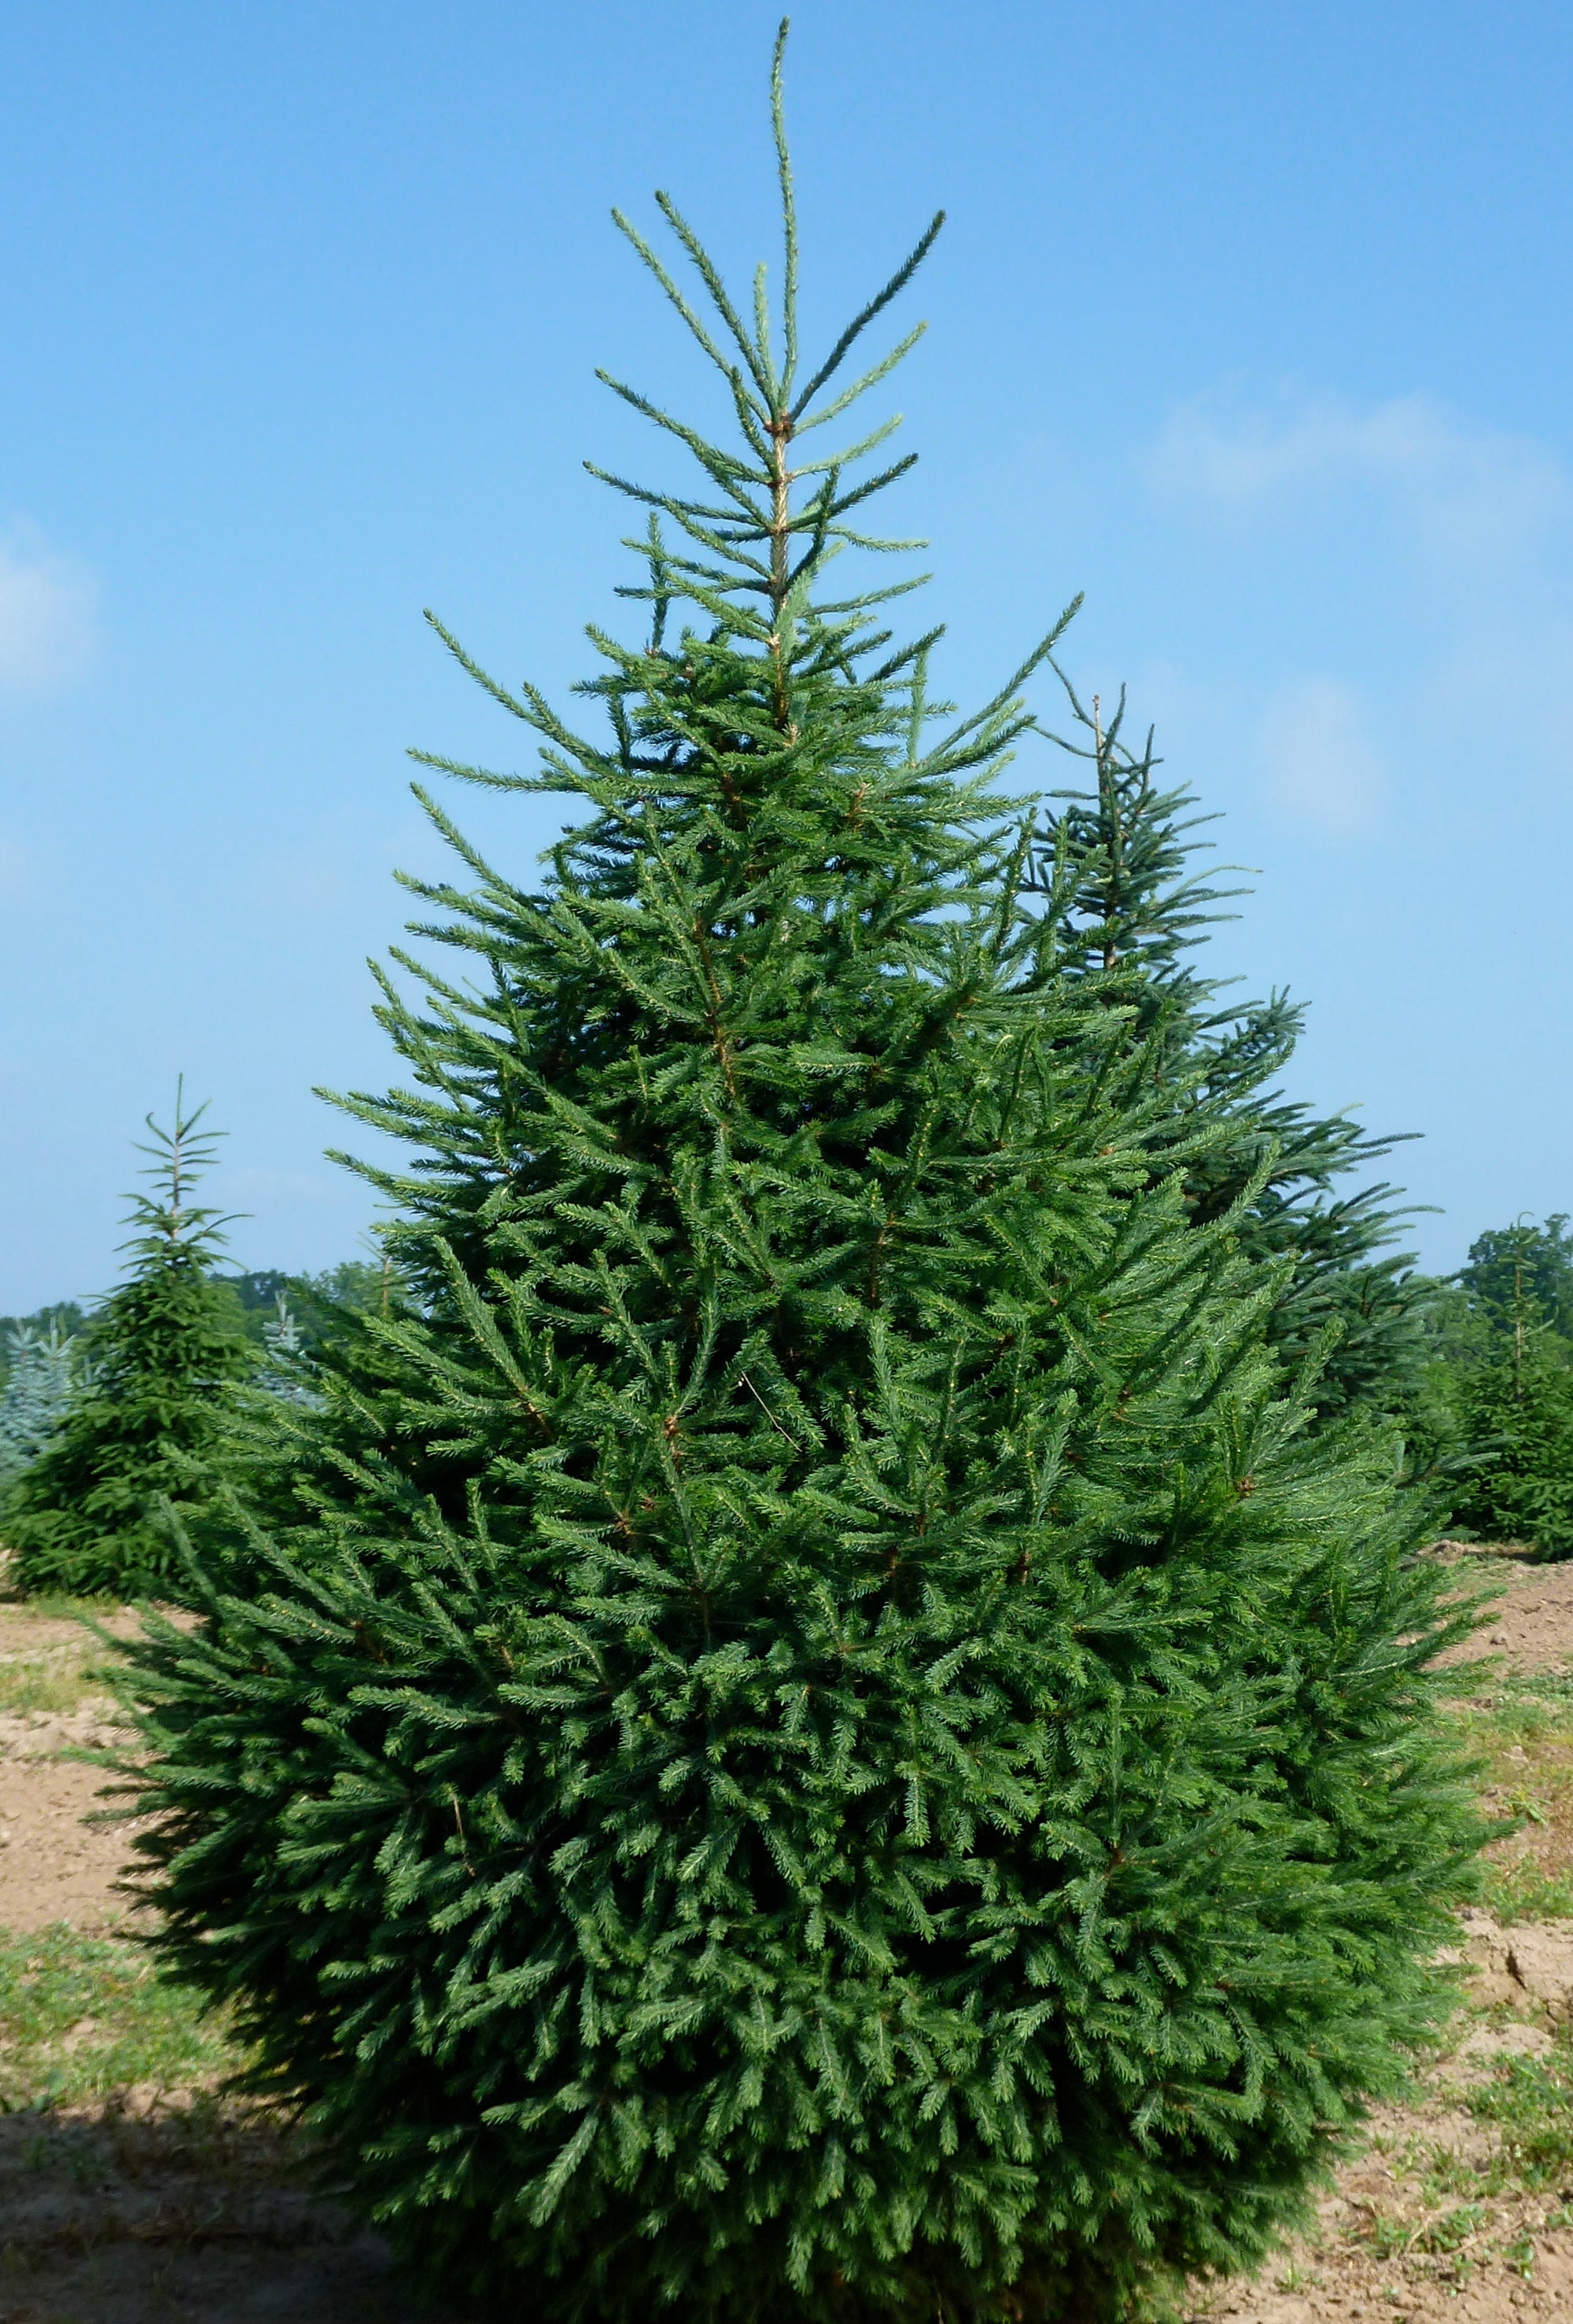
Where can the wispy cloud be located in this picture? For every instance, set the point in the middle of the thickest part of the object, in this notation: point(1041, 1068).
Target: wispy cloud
point(1480, 487)
point(48, 609)
point(1321, 763)
point(1422, 563)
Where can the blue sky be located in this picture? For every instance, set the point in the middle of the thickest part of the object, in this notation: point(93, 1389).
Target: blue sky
point(1252, 322)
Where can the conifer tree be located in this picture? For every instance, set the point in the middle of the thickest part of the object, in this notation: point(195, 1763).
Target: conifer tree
point(793, 1738)
point(44, 1373)
point(1120, 853)
point(1513, 1395)
point(1515, 1414)
point(168, 1346)
point(285, 1369)
point(1524, 1269)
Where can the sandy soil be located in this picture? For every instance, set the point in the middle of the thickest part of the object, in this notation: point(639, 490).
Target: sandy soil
point(1532, 1630)
point(53, 1867)
point(175, 2209)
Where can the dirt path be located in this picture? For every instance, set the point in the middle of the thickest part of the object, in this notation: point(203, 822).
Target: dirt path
point(154, 2205)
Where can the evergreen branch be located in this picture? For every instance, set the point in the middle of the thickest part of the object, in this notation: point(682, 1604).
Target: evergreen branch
point(871, 378)
point(877, 598)
point(761, 329)
point(789, 214)
point(882, 547)
point(860, 322)
point(486, 777)
point(720, 466)
point(535, 709)
point(1009, 692)
point(919, 648)
point(857, 451)
point(727, 369)
point(710, 275)
point(874, 484)
point(682, 512)
point(818, 512)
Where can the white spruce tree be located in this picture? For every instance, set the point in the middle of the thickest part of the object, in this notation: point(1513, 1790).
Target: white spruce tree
point(809, 1731)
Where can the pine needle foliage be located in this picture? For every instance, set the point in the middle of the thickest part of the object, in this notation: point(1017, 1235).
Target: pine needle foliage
point(167, 1347)
point(806, 1731)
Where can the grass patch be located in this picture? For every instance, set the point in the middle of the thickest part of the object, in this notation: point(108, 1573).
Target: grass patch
point(57, 1606)
point(1523, 1732)
point(1457, 2211)
point(82, 2017)
point(50, 1674)
point(55, 1679)
point(1530, 2101)
point(1522, 1891)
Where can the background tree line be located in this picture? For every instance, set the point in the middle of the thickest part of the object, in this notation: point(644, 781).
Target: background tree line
point(1475, 1369)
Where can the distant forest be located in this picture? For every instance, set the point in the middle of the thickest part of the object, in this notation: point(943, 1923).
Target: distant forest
point(310, 1300)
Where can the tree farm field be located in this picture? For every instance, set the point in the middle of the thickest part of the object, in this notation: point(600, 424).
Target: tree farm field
point(134, 2189)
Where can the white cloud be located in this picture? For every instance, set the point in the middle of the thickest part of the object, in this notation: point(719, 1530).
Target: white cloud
point(1415, 564)
point(1475, 496)
point(48, 606)
point(1320, 763)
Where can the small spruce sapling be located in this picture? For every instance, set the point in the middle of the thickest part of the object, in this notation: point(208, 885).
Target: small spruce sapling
point(89, 1513)
point(1514, 1403)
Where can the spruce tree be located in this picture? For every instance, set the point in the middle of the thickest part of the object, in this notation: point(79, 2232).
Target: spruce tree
point(1512, 1391)
point(1524, 1268)
point(89, 1514)
point(1119, 852)
point(44, 1373)
point(1515, 1416)
point(807, 1731)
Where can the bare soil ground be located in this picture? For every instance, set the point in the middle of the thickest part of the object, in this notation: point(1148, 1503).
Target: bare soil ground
point(135, 2193)
point(53, 1866)
point(154, 2201)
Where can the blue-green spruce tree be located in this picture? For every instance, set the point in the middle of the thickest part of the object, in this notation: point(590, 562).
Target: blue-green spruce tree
point(807, 1731)
point(45, 1371)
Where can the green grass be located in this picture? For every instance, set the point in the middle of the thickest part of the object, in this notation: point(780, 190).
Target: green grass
point(82, 2017)
point(52, 1680)
point(1450, 2223)
point(1530, 2101)
point(54, 1676)
point(1522, 1730)
point(1523, 1892)
point(56, 1606)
